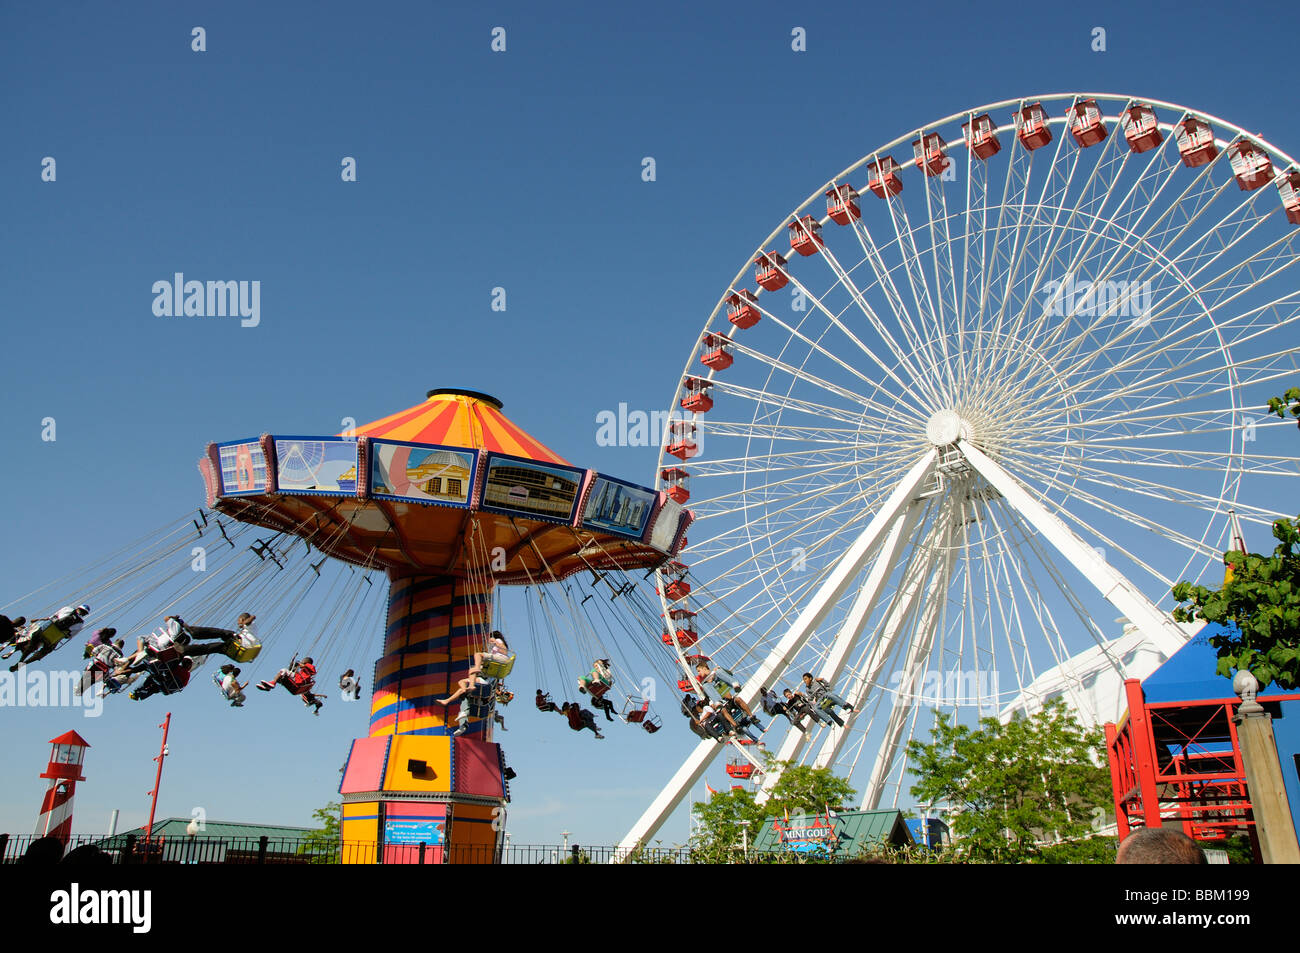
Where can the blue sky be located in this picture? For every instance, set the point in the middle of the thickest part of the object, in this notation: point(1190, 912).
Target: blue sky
point(475, 170)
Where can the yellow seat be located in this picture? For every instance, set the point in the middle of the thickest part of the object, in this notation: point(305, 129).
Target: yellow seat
point(492, 668)
point(242, 650)
point(52, 634)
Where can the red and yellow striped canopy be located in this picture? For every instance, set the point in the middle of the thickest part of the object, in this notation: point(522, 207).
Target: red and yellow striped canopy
point(409, 536)
point(460, 418)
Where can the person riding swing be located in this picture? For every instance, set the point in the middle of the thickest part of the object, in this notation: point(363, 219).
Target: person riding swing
point(40, 640)
point(299, 679)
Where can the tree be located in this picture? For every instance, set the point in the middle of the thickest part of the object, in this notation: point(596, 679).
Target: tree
point(1259, 606)
point(322, 843)
point(1026, 790)
point(1278, 405)
point(718, 837)
point(805, 790)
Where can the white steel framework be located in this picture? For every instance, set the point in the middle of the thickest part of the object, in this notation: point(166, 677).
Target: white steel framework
point(1009, 399)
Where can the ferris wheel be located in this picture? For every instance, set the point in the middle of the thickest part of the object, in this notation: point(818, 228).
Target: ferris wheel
point(300, 462)
point(1000, 385)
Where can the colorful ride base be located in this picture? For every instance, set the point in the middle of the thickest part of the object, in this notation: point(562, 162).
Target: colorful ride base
point(412, 781)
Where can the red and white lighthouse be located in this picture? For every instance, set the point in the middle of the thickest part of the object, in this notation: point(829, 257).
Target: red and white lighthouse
point(64, 771)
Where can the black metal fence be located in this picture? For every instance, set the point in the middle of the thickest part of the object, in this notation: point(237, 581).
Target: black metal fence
point(94, 850)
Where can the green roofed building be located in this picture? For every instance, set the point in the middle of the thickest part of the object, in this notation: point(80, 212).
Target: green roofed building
point(215, 842)
point(844, 834)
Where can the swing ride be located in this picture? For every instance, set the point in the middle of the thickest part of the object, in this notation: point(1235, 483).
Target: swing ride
point(446, 501)
point(449, 499)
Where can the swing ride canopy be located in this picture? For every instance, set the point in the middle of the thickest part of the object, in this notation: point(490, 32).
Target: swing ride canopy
point(449, 486)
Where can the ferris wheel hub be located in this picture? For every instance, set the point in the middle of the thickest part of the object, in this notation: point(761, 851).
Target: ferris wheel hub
point(945, 427)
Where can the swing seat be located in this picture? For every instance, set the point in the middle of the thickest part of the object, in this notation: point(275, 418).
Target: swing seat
point(495, 668)
point(161, 676)
point(99, 665)
point(49, 633)
point(301, 688)
point(636, 715)
point(241, 651)
point(593, 688)
point(826, 703)
point(651, 725)
point(159, 658)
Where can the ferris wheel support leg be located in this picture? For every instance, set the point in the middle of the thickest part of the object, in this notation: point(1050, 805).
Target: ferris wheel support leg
point(865, 603)
point(838, 581)
point(905, 604)
point(918, 657)
point(671, 796)
point(849, 566)
point(1158, 628)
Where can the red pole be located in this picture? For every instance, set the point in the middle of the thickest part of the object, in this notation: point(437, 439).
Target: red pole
point(157, 781)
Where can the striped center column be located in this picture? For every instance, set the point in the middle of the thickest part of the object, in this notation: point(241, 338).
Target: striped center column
point(435, 624)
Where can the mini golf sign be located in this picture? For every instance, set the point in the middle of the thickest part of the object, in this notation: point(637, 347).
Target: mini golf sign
point(820, 836)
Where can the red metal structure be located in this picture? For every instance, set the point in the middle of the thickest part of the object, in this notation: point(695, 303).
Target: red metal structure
point(929, 155)
point(699, 395)
point(740, 769)
point(685, 637)
point(1179, 762)
point(884, 180)
point(1141, 128)
point(1086, 123)
point(677, 482)
point(681, 440)
point(842, 204)
point(683, 628)
point(981, 136)
point(1195, 142)
point(805, 235)
point(1251, 165)
point(742, 309)
point(1288, 188)
point(769, 271)
point(676, 587)
point(157, 780)
point(1031, 127)
point(716, 352)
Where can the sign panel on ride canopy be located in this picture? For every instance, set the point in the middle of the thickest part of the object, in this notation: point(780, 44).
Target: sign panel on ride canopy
point(422, 472)
point(243, 467)
point(522, 487)
point(614, 506)
point(316, 465)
